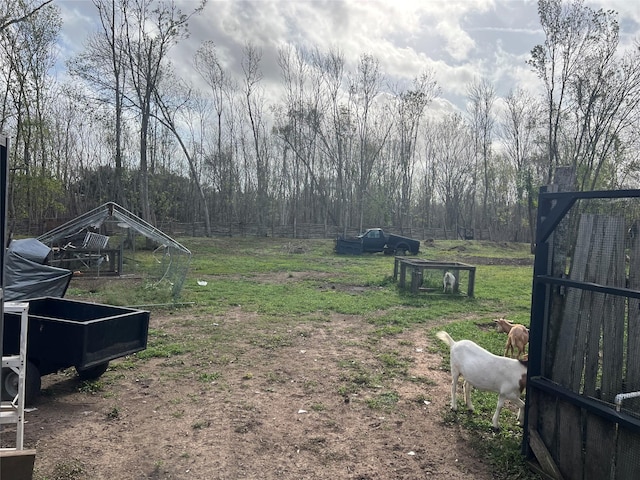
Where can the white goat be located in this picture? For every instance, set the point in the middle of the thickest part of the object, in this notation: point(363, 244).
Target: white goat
point(448, 281)
point(485, 371)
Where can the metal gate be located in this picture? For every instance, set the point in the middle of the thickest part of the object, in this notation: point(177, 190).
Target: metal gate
point(583, 393)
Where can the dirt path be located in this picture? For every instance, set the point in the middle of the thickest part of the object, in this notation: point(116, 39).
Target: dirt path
point(261, 413)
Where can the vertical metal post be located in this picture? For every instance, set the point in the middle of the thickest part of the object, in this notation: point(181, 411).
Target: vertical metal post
point(4, 183)
point(4, 155)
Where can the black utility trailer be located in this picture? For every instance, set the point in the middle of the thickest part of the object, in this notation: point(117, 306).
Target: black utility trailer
point(66, 333)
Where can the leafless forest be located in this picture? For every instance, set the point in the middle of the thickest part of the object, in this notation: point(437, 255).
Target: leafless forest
point(334, 145)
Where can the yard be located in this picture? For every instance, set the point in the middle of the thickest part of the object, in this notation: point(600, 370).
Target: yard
point(284, 360)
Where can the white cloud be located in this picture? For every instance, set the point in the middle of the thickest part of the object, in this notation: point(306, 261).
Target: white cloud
point(458, 39)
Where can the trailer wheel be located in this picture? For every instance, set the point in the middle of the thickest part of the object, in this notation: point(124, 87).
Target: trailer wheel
point(32, 384)
point(92, 373)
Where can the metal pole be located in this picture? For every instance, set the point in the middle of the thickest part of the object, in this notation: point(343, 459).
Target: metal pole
point(4, 183)
point(623, 396)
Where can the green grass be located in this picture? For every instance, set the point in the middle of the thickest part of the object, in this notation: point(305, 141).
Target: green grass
point(162, 345)
point(383, 401)
point(92, 387)
point(282, 285)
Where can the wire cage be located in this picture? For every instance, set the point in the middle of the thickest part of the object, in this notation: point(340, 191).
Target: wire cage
point(105, 241)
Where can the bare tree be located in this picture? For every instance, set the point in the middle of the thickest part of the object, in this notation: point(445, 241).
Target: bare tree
point(482, 96)
point(291, 128)
point(171, 115)
point(150, 33)
point(519, 127)
point(410, 110)
point(222, 89)
point(102, 66)
point(429, 174)
point(571, 32)
point(294, 122)
point(607, 101)
point(452, 151)
point(112, 22)
point(254, 104)
point(592, 91)
point(338, 132)
point(301, 126)
point(372, 131)
point(208, 65)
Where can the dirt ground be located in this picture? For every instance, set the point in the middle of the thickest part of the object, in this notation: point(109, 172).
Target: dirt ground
point(273, 414)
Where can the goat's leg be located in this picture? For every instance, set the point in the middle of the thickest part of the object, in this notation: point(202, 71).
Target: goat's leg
point(520, 404)
point(507, 348)
point(467, 395)
point(454, 386)
point(496, 415)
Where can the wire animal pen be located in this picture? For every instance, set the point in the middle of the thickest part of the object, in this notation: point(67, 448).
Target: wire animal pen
point(98, 242)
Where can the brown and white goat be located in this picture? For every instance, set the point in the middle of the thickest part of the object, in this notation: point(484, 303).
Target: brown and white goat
point(485, 371)
point(517, 337)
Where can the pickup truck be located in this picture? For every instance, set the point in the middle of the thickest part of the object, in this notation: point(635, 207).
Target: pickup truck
point(376, 240)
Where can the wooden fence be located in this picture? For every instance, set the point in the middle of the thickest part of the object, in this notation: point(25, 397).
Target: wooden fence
point(585, 344)
point(240, 229)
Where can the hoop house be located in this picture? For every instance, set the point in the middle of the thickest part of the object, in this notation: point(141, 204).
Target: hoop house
point(102, 241)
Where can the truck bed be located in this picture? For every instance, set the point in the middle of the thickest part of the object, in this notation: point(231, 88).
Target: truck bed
point(350, 246)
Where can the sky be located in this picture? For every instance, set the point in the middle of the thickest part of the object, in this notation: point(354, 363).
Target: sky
point(461, 41)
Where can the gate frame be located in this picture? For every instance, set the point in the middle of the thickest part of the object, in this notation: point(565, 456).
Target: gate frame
point(552, 208)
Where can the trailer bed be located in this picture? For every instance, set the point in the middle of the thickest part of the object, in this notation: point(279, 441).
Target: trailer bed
point(66, 333)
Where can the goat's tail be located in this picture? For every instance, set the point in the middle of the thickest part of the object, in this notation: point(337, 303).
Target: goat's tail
point(446, 338)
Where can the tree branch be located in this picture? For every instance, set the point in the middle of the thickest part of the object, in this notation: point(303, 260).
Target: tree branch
point(23, 18)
